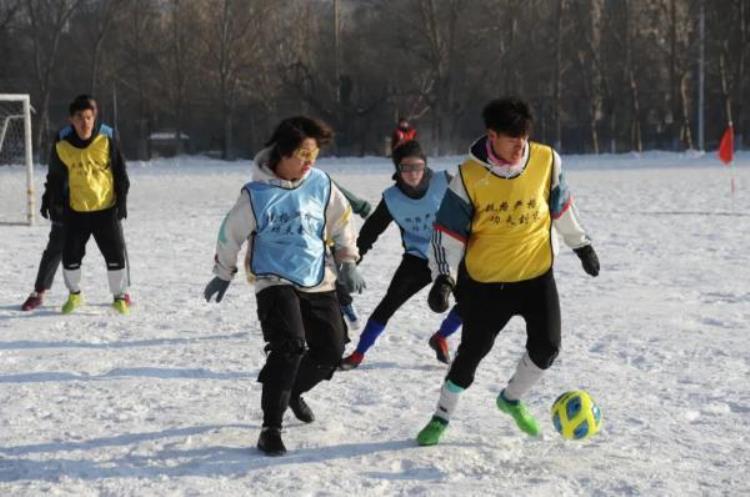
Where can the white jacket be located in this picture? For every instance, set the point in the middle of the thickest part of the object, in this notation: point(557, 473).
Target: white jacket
point(239, 226)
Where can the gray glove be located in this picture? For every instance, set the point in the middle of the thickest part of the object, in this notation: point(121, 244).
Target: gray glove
point(351, 278)
point(217, 287)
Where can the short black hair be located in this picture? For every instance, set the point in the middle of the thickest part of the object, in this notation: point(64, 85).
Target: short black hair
point(82, 102)
point(508, 115)
point(292, 131)
point(412, 148)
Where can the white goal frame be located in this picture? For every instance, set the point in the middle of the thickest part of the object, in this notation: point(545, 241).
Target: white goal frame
point(26, 116)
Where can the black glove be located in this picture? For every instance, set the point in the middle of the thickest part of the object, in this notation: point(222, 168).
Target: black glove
point(122, 211)
point(53, 212)
point(440, 293)
point(351, 278)
point(216, 286)
point(44, 209)
point(589, 260)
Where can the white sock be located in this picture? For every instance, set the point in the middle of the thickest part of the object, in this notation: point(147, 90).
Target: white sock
point(448, 399)
point(72, 278)
point(527, 374)
point(118, 281)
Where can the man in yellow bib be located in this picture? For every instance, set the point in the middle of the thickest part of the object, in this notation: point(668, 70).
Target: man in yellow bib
point(87, 178)
point(494, 232)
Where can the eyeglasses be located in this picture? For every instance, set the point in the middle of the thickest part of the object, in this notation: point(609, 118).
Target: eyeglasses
point(306, 154)
point(411, 168)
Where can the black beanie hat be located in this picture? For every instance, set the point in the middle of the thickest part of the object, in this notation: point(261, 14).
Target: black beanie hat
point(409, 149)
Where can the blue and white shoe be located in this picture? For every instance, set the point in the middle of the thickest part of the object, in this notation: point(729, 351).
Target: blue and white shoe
point(351, 316)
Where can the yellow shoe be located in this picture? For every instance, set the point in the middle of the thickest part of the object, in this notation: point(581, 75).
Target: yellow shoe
point(121, 305)
point(75, 300)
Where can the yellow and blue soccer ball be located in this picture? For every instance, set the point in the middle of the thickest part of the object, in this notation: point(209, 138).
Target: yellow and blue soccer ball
point(576, 416)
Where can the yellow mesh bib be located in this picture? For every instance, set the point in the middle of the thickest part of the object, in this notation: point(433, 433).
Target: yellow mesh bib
point(510, 231)
point(90, 180)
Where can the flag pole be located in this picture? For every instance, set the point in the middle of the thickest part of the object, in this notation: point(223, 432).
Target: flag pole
point(726, 155)
point(733, 187)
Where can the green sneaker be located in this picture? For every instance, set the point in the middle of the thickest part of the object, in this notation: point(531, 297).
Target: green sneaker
point(121, 305)
point(430, 434)
point(75, 300)
point(523, 418)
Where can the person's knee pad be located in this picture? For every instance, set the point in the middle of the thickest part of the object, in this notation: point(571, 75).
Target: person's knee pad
point(115, 265)
point(461, 374)
point(286, 347)
point(544, 356)
point(283, 357)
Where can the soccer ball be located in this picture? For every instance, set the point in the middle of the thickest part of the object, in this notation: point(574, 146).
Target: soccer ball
point(576, 416)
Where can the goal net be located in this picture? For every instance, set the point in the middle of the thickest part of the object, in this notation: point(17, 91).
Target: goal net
point(16, 166)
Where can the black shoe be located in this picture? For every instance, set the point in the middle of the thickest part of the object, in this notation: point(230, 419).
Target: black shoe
point(301, 410)
point(270, 441)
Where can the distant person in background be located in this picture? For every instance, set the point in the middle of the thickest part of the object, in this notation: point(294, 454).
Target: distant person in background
point(289, 213)
point(494, 230)
point(402, 134)
point(53, 253)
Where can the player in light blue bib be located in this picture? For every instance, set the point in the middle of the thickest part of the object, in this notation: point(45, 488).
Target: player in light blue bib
point(412, 203)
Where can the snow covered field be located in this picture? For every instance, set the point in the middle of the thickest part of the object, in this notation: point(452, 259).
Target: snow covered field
point(164, 402)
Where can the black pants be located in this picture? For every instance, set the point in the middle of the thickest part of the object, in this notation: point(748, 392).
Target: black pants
point(345, 298)
point(304, 334)
point(412, 275)
point(106, 230)
point(487, 307)
point(51, 258)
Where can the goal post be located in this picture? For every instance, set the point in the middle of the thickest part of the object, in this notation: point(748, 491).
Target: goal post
point(16, 160)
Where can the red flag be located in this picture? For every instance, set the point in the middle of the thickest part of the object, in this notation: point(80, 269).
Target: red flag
point(726, 146)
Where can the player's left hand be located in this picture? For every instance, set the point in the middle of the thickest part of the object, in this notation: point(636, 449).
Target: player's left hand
point(589, 260)
point(351, 278)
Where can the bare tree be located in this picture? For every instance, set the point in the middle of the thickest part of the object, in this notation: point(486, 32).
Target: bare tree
point(48, 21)
point(232, 41)
point(97, 16)
point(138, 56)
point(558, 75)
point(595, 71)
point(676, 16)
point(431, 30)
point(589, 62)
point(181, 49)
point(731, 44)
point(635, 118)
point(8, 11)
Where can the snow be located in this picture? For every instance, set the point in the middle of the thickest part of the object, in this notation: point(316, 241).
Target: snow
point(164, 402)
point(166, 136)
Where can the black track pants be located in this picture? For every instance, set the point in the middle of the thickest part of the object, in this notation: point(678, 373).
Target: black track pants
point(51, 258)
point(412, 275)
point(106, 230)
point(304, 334)
point(487, 307)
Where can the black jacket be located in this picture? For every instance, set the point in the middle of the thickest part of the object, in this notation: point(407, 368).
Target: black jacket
point(56, 188)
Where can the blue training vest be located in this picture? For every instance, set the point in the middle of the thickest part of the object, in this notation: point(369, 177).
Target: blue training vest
point(289, 237)
point(415, 216)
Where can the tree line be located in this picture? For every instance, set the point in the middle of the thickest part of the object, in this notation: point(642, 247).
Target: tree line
point(601, 75)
